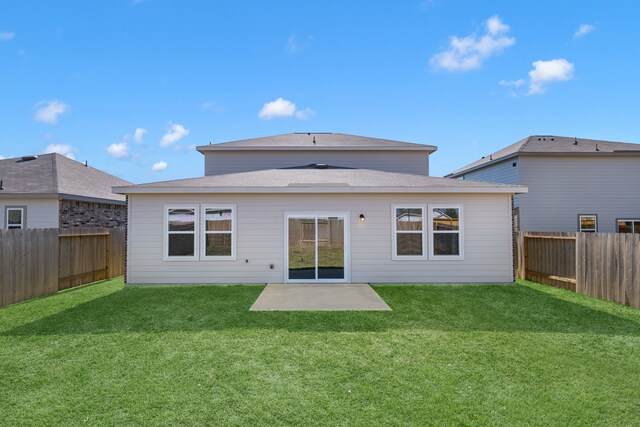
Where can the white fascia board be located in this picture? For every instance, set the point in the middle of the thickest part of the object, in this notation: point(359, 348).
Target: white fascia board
point(515, 189)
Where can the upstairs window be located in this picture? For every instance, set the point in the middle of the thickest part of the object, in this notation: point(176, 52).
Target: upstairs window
point(446, 236)
point(629, 226)
point(219, 232)
point(408, 232)
point(180, 233)
point(587, 223)
point(15, 218)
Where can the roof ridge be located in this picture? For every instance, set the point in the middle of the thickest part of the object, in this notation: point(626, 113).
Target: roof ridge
point(525, 144)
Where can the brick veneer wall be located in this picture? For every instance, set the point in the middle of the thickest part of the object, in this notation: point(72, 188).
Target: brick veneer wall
point(89, 214)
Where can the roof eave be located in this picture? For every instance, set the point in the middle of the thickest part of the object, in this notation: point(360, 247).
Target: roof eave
point(9, 195)
point(214, 147)
point(621, 153)
point(306, 189)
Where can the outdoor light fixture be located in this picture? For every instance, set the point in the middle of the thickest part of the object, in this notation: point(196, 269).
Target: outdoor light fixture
point(362, 218)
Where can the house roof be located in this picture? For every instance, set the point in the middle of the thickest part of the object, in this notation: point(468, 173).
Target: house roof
point(54, 175)
point(552, 145)
point(314, 141)
point(319, 180)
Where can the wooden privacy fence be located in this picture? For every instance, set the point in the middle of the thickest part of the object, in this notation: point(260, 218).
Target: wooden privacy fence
point(37, 262)
point(603, 265)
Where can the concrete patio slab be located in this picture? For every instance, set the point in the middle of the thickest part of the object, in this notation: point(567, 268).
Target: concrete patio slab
point(319, 297)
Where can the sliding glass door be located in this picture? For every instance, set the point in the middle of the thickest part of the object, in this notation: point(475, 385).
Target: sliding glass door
point(316, 249)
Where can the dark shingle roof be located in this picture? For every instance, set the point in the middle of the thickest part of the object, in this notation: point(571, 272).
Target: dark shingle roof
point(55, 174)
point(327, 141)
point(274, 179)
point(551, 144)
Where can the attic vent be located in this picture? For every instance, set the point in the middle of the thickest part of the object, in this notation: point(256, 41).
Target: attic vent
point(28, 158)
point(321, 166)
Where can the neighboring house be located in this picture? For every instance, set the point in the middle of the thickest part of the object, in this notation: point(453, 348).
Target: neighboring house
point(574, 184)
point(53, 191)
point(318, 208)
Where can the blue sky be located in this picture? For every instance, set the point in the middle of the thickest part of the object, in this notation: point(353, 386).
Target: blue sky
point(129, 85)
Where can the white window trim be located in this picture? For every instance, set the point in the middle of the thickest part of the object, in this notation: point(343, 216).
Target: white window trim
point(460, 233)
point(394, 241)
point(587, 230)
point(204, 232)
point(631, 220)
point(22, 217)
point(165, 225)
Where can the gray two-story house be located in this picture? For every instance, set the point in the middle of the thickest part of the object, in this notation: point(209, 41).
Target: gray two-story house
point(319, 208)
point(575, 184)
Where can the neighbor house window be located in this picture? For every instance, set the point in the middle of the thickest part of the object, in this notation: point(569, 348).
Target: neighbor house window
point(408, 232)
point(180, 233)
point(588, 223)
point(629, 226)
point(15, 218)
point(219, 230)
point(446, 232)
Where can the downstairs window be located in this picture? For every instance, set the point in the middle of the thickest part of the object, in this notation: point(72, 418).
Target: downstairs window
point(629, 226)
point(446, 236)
point(180, 233)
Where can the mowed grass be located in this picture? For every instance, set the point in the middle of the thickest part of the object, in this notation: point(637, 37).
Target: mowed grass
point(446, 355)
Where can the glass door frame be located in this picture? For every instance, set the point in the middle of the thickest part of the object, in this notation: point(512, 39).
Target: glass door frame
point(347, 247)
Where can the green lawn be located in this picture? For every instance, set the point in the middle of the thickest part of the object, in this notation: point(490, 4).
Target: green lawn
point(461, 355)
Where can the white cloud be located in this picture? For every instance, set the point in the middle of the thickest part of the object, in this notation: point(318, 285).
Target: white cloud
point(2, 157)
point(512, 83)
point(175, 134)
point(295, 46)
point(159, 166)
point(118, 149)
point(495, 26)
point(139, 134)
point(64, 149)
point(583, 30)
point(212, 106)
point(545, 72)
point(305, 114)
point(5, 36)
point(278, 108)
point(468, 53)
point(284, 108)
point(49, 111)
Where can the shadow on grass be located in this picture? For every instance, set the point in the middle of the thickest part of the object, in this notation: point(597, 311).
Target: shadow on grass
point(444, 308)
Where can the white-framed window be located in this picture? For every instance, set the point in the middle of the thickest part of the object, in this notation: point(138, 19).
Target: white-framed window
point(15, 218)
point(408, 225)
point(588, 223)
point(446, 232)
point(628, 225)
point(180, 233)
point(218, 232)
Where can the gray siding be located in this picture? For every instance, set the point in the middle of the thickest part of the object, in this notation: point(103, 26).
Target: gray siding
point(41, 213)
point(502, 172)
point(221, 162)
point(561, 188)
point(261, 240)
